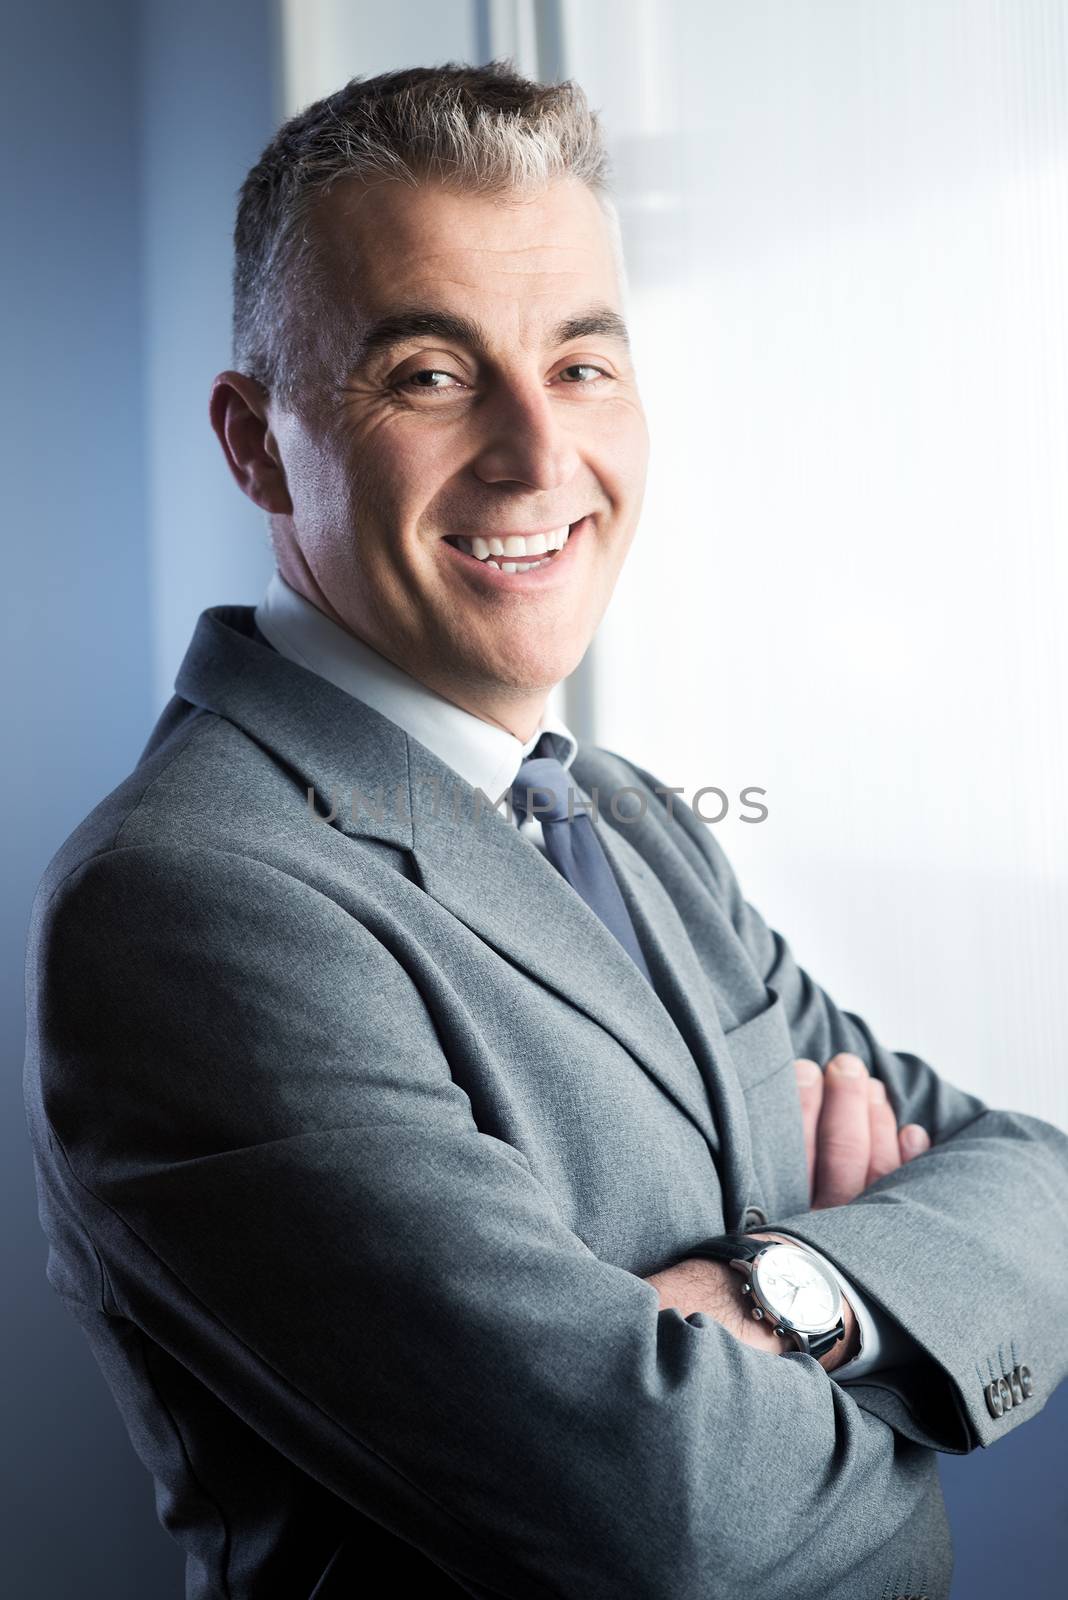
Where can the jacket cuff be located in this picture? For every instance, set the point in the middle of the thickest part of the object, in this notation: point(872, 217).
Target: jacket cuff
point(903, 1383)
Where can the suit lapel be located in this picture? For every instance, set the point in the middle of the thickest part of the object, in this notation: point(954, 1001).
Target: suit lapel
point(332, 743)
point(687, 994)
point(473, 861)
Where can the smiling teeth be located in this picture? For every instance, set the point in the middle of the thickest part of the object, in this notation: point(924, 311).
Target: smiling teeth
point(515, 548)
point(535, 545)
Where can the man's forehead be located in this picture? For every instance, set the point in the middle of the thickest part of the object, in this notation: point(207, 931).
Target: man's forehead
point(392, 235)
point(415, 262)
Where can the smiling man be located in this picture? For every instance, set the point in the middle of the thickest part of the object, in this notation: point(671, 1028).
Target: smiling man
point(458, 477)
point(480, 1190)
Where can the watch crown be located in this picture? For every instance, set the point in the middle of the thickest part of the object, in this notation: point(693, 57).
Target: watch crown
point(745, 1288)
point(757, 1314)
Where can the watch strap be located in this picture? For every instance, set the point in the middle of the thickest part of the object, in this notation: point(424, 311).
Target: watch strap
point(730, 1247)
point(820, 1343)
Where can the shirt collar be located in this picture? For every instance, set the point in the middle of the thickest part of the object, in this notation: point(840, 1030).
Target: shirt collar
point(486, 756)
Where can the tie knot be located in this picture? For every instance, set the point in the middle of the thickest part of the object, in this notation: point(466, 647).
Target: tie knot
point(542, 788)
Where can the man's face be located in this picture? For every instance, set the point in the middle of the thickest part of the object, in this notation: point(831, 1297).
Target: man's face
point(489, 396)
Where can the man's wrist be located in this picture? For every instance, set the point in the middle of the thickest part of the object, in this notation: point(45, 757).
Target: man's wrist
point(697, 1284)
point(848, 1346)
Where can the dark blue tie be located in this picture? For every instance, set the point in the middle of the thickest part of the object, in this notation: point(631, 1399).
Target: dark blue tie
point(541, 789)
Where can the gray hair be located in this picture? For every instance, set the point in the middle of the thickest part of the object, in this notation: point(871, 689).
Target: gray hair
point(478, 129)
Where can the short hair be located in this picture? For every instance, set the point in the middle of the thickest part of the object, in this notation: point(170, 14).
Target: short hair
point(478, 129)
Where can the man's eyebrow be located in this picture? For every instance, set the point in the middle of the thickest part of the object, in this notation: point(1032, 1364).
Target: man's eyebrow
point(600, 322)
point(400, 326)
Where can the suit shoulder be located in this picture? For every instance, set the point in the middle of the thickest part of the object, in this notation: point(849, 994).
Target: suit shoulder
point(99, 829)
point(179, 784)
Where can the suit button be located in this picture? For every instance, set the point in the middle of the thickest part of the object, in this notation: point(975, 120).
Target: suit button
point(1016, 1386)
point(1027, 1383)
point(1006, 1393)
point(993, 1399)
point(754, 1218)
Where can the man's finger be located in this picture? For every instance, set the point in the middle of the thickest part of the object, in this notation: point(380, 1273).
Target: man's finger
point(885, 1150)
point(913, 1141)
point(843, 1139)
point(810, 1089)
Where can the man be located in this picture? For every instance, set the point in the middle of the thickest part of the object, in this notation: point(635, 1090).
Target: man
point(394, 1146)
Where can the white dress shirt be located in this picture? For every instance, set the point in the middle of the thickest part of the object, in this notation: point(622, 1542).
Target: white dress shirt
point(488, 757)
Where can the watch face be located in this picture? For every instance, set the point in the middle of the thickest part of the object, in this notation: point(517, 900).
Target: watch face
point(796, 1287)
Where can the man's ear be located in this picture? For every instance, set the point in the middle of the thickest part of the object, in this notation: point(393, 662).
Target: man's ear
point(238, 411)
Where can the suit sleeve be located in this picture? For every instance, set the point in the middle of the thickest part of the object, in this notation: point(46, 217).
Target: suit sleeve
point(287, 1190)
point(965, 1246)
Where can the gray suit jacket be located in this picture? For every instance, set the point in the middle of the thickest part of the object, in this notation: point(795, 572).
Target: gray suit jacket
point(355, 1139)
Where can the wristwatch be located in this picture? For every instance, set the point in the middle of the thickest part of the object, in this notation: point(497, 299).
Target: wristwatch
point(788, 1286)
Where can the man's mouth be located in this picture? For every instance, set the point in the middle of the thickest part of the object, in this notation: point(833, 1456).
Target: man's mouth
point(514, 552)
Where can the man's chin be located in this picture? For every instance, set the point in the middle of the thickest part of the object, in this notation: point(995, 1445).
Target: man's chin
point(538, 674)
point(491, 686)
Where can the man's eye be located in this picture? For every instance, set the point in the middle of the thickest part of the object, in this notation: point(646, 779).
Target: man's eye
point(430, 378)
point(586, 373)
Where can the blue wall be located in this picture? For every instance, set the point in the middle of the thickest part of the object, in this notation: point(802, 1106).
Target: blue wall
point(127, 129)
point(211, 92)
point(1008, 1508)
point(76, 646)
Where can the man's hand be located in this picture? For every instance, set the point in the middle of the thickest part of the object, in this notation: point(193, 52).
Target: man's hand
point(851, 1139)
point(851, 1134)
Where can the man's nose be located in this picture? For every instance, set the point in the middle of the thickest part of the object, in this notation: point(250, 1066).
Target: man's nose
point(526, 440)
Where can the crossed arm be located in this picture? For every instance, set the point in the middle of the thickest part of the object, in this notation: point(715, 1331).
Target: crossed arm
point(966, 1250)
point(314, 1223)
point(851, 1140)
